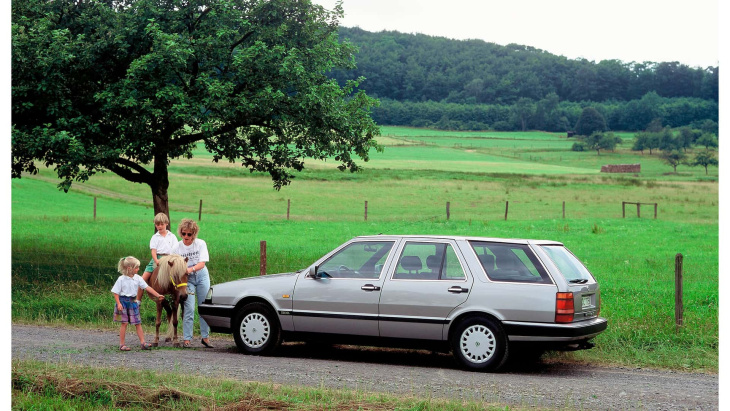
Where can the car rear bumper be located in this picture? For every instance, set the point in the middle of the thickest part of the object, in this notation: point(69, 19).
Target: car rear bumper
point(581, 330)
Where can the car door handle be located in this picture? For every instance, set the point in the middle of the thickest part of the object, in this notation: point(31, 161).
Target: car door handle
point(457, 289)
point(370, 287)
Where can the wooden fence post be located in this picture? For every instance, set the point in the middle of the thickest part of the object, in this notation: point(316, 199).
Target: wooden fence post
point(448, 210)
point(623, 209)
point(366, 210)
point(655, 207)
point(678, 290)
point(94, 208)
point(506, 210)
point(200, 210)
point(262, 263)
point(638, 210)
point(563, 210)
point(288, 207)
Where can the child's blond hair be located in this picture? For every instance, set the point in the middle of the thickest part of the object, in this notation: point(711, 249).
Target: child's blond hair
point(161, 218)
point(126, 264)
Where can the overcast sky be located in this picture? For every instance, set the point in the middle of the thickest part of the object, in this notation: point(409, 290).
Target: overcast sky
point(627, 30)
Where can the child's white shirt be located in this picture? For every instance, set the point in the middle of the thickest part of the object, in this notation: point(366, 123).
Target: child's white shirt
point(127, 286)
point(163, 245)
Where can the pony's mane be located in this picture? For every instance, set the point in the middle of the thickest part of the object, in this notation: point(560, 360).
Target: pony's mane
point(178, 268)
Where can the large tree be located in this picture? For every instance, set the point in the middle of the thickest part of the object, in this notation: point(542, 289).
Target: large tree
point(590, 121)
point(126, 86)
point(601, 141)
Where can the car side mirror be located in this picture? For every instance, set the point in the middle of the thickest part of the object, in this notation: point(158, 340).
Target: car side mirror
point(312, 272)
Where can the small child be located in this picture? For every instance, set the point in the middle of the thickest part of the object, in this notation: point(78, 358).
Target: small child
point(125, 290)
point(162, 243)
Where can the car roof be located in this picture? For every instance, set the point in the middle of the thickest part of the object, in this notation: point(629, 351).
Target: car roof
point(458, 238)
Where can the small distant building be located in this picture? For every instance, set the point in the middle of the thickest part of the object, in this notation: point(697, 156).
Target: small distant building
point(570, 133)
point(621, 168)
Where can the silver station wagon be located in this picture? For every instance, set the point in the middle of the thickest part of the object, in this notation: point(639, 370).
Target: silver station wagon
point(484, 299)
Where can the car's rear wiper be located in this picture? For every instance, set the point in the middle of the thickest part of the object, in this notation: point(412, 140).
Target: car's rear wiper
point(579, 281)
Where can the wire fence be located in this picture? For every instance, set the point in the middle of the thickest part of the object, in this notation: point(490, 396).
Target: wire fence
point(30, 266)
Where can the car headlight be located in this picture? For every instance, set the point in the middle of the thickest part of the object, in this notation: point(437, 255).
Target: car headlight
point(209, 296)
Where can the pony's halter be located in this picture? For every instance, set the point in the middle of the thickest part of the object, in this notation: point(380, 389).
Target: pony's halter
point(177, 285)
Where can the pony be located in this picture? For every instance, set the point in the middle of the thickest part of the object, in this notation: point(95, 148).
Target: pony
point(170, 277)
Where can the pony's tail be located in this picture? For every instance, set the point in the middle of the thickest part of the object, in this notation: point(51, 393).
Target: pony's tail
point(170, 329)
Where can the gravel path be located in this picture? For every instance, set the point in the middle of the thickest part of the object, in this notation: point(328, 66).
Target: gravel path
point(400, 372)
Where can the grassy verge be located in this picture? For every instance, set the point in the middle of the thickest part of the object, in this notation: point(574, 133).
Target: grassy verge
point(37, 385)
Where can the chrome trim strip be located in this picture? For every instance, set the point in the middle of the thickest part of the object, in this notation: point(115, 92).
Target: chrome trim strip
point(369, 317)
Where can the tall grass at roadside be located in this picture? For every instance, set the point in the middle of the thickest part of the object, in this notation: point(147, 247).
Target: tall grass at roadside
point(37, 385)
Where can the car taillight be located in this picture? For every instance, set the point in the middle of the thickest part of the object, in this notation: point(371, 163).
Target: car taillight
point(564, 308)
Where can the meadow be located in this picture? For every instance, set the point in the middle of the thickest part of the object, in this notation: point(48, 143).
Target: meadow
point(63, 260)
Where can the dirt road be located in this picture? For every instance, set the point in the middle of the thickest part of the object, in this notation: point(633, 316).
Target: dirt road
point(400, 372)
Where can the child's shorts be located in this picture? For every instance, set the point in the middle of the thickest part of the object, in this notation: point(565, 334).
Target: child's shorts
point(129, 313)
point(151, 266)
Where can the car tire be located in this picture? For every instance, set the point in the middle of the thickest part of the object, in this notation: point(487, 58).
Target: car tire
point(256, 329)
point(480, 344)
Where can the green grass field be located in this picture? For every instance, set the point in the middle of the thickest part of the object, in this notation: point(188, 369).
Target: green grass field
point(63, 260)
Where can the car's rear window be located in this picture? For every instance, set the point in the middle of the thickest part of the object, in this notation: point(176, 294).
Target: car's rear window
point(571, 268)
point(510, 262)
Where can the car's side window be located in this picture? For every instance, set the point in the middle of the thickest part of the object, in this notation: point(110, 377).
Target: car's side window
point(452, 267)
point(357, 260)
point(428, 261)
point(510, 262)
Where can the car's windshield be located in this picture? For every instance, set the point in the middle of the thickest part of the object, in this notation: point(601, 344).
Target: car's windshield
point(573, 270)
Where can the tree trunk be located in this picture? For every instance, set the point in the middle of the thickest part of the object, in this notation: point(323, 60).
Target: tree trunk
point(160, 184)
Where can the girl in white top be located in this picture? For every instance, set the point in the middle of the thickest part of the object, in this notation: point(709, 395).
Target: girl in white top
point(196, 251)
point(126, 310)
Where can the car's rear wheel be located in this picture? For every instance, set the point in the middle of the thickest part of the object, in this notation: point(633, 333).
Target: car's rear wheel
point(256, 329)
point(479, 343)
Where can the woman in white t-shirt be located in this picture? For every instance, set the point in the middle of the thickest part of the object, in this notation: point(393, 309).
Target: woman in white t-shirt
point(196, 252)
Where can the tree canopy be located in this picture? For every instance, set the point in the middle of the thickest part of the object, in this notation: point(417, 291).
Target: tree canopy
point(590, 121)
point(126, 86)
point(418, 67)
point(705, 159)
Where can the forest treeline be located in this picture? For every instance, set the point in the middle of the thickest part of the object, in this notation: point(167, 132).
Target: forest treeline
point(437, 82)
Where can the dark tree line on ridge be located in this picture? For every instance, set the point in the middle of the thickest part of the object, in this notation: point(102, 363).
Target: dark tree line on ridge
point(455, 84)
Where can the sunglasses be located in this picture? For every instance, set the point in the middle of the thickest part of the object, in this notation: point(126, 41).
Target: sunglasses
point(187, 234)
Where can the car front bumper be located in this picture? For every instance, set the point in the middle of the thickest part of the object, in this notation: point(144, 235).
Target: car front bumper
point(218, 317)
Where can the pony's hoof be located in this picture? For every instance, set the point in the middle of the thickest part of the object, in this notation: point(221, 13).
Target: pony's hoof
point(168, 339)
point(176, 345)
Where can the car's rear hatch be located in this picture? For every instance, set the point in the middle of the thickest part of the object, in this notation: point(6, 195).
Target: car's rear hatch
point(581, 300)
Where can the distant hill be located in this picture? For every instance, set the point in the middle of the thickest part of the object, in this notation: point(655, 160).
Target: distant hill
point(419, 68)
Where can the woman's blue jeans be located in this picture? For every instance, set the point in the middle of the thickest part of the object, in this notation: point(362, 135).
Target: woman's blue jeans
point(198, 285)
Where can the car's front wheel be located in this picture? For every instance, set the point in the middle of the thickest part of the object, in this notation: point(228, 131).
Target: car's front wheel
point(256, 329)
point(479, 343)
